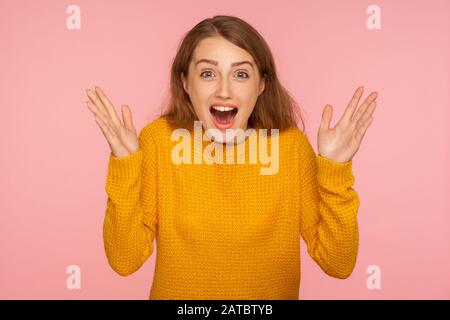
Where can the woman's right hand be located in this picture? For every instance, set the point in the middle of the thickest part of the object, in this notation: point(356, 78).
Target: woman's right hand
point(122, 137)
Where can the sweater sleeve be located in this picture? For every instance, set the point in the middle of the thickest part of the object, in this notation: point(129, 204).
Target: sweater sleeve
point(329, 207)
point(130, 221)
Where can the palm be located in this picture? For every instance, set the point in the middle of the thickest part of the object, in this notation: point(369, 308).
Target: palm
point(342, 142)
point(129, 139)
point(121, 136)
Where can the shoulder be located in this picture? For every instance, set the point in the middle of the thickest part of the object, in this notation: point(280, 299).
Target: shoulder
point(294, 135)
point(156, 129)
point(301, 144)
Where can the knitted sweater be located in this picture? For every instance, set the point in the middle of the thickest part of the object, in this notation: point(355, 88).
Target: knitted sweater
point(224, 230)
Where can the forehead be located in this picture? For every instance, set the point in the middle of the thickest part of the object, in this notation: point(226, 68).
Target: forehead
point(220, 49)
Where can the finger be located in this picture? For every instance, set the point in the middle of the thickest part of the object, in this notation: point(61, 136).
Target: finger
point(348, 113)
point(361, 130)
point(364, 106)
point(108, 104)
point(327, 114)
point(105, 118)
point(97, 103)
point(107, 131)
point(370, 109)
point(127, 118)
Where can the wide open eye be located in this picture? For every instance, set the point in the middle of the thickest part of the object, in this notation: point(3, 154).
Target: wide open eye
point(245, 73)
point(241, 74)
point(201, 74)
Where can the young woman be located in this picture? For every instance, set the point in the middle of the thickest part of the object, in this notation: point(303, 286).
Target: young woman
point(225, 229)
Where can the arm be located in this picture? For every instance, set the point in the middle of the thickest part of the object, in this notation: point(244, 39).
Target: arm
point(329, 208)
point(130, 222)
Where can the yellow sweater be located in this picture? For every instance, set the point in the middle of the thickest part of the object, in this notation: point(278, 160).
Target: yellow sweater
point(226, 231)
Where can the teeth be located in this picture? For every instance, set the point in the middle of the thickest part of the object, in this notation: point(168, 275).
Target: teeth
point(222, 108)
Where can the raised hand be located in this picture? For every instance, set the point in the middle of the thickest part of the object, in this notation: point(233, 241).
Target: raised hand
point(342, 142)
point(122, 137)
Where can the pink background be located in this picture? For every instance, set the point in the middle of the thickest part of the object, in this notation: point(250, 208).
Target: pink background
point(54, 157)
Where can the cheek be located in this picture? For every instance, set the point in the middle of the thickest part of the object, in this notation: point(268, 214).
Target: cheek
point(249, 100)
point(197, 94)
point(249, 92)
point(202, 93)
point(249, 110)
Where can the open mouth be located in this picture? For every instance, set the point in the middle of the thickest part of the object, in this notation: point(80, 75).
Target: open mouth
point(223, 116)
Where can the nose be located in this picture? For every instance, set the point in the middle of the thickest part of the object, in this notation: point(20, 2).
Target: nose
point(224, 89)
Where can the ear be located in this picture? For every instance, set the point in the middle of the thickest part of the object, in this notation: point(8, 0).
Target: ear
point(262, 84)
point(183, 80)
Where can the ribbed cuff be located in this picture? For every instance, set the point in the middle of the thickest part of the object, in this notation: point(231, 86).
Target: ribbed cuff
point(125, 168)
point(333, 173)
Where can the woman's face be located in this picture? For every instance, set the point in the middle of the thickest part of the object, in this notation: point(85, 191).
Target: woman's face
point(223, 84)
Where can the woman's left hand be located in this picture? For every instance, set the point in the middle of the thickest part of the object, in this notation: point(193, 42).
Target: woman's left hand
point(341, 142)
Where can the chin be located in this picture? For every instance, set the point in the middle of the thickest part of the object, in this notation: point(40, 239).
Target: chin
point(227, 136)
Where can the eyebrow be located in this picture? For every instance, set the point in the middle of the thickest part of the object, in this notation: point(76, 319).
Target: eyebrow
point(234, 64)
